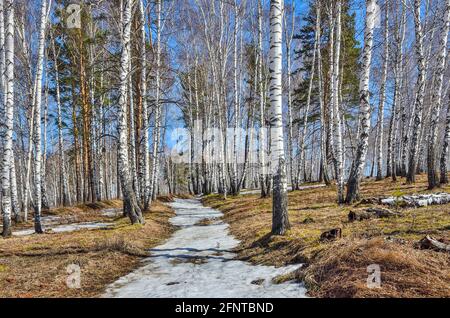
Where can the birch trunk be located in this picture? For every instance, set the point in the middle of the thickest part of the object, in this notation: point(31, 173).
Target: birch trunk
point(339, 153)
point(2, 56)
point(446, 144)
point(380, 127)
point(157, 128)
point(14, 195)
point(234, 186)
point(262, 133)
point(133, 162)
point(360, 159)
point(7, 158)
point(130, 203)
point(44, 196)
point(433, 180)
point(323, 126)
point(145, 156)
point(37, 122)
point(330, 108)
point(420, 89)
point(280, 219)
point(288, 39)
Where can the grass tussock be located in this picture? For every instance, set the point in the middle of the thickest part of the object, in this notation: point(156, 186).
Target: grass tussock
point(36, 265)
point(340, 270)
point(314, 211)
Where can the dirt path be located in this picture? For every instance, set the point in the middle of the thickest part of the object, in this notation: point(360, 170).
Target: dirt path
point(196, 262)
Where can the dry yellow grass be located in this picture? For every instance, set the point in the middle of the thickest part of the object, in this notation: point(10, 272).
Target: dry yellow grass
point(314, 211)
point(35, 265)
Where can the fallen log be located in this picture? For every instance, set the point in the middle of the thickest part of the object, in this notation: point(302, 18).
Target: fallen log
point(369, 213)
point(383, 213)
point(372, 200)
point(429, 242)
point(331, 235)
point(418, 200)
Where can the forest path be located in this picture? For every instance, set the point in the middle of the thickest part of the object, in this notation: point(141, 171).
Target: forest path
point(197, 262)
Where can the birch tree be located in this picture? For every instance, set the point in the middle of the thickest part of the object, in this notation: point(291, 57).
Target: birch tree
point(130, 203)
point(8, 157)
point(445, 146)
point(157, 129)
point(145, 151)
point(339, 152)
point(262, 122)
point(358, 165)
point(433, 180)
point(37, 122)
point(420, 93)
point(380, 121)
point(289, 35)
point(280, 220)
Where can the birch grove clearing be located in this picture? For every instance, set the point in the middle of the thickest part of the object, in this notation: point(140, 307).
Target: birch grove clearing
point(133, 99)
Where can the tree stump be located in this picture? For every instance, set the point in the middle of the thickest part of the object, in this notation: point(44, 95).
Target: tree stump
point(331, 235)
point(358, 216)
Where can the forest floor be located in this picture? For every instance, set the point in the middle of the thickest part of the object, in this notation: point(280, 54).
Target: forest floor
point(36, 265)
point(339, 268)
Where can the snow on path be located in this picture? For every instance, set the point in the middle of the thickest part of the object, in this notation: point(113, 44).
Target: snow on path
point(197, 262)
point(66, 228)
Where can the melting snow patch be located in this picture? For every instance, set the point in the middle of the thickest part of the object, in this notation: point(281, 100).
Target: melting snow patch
point(112, 212)
point(67, 228)
point(197, 262)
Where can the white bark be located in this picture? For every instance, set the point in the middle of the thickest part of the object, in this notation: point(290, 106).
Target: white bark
point(2, 55)
point(360, 159)
point(280, 221)
point(7, 158)
point(37, 122)
point(380, 123)
point(288, 40)
point(234, 168)
point(145, 155)
point(420, 89)
point(339, 152)
point(437, 98)
point(157, 128)
point(131, 207)
point(133, 161)
point(262, 133)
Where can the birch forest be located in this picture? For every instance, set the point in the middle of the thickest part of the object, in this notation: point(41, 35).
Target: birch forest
point(138, 100)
